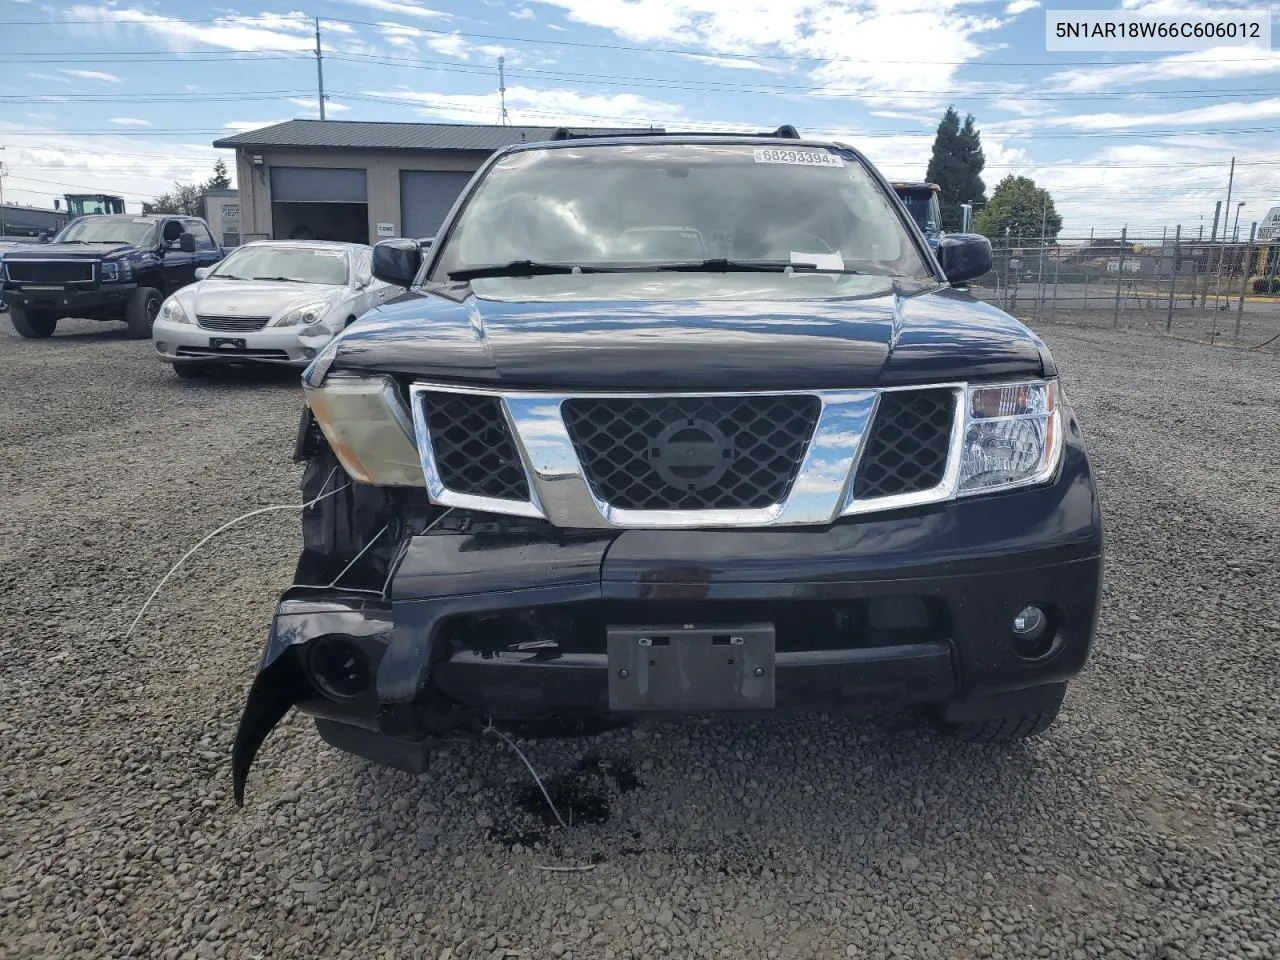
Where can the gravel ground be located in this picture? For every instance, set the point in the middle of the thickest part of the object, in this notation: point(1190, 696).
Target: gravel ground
point(1146, 824)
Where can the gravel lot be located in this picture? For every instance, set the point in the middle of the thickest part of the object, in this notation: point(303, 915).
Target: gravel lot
point(1147, 824)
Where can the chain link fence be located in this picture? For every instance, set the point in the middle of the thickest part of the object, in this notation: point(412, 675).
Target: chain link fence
point(1211, 292)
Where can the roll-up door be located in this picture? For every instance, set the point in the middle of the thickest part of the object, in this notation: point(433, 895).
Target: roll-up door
point(425, 198)
point(318, 185)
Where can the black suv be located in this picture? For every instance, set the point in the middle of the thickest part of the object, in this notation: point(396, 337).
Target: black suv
point(104, 268)
point(680, 423)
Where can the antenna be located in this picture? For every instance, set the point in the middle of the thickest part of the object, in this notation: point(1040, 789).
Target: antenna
point(503, 119)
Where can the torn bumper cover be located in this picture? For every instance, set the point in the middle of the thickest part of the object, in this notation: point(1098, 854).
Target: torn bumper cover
point(914, 606)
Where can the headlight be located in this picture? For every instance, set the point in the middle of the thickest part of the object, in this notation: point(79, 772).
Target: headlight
point(117, 271)
point(1012, 436)
point(308, 313)
point(368, 428)
point(171, 312)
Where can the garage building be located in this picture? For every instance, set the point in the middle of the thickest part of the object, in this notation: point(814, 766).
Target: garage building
point(360, 181)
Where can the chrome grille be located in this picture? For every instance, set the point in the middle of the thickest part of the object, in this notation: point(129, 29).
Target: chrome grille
point(907, 449)
point(50, 271)
point(232, 324)
point(691, 453)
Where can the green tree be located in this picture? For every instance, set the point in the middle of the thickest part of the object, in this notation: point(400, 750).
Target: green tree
point(1018, 206)
point(219, 180)
point(186, 199)
point(956, 166)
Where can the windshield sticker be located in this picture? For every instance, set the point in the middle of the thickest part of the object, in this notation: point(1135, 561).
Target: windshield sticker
point(820, 261)
point(809, 158)
point(330, 253)
point(136, 220)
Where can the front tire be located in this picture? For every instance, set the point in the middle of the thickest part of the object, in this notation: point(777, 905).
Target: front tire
point(1014, 716)
point(32, 325)
point(141, 312)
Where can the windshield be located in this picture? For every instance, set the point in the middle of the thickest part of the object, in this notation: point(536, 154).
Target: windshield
point(636, 204)
point(924, 209)
point(299, 264)
point(140, 233)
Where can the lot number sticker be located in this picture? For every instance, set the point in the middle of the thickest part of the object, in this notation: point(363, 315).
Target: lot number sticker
point(810, 158)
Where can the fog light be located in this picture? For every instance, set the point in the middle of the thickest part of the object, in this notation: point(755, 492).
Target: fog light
point(1029, 622)
point(1032, 636)
point(161, 347)
point(339, 668)
point(308, 353)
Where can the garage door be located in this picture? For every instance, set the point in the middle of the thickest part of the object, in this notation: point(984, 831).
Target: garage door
point(425, 198)
point(318, 185)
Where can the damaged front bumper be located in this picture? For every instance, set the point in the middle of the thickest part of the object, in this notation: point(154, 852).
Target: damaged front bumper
point(913, 606)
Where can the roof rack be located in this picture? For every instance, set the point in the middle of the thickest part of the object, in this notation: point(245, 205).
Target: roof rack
point(784, 132)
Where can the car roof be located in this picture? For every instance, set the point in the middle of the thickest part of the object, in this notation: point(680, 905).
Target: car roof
point(312, 244)
point(677, 139)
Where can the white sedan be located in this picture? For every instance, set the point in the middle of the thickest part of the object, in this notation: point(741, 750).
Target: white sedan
point(269, 301)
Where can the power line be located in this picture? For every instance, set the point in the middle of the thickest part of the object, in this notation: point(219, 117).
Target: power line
point(304, 23)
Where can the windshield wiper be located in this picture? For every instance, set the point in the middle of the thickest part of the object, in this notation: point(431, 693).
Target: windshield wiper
point(725, 265)
point(280, 279)
point(521, 268)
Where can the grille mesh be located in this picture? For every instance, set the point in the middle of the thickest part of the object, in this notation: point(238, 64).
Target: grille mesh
point(232, 323)
point(474, 450)
point(907, 448)
point(691, 453)
point(50, 271)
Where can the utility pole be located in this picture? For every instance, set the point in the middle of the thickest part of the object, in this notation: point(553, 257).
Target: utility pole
point(503, 119)
point(1235, 231)
point(319, 69)
point(1044, 213)
point(3, 173)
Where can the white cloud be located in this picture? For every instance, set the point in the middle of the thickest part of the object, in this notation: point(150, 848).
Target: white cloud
point(530, 107)
point(92, 75)
point(244, 126)
point(136, 168)
point(524, 13)
point(49, 77)
point(311, 105)
point(1199, 117)
point(1220, 63)
point(732, 63)
point(129, 121)
point(406, 7)
point(450, 45)
point(1021, 6)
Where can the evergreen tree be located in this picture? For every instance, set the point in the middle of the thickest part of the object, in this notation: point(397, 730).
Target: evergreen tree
point(220, 180)
point(1018, 205)
point(956, 166)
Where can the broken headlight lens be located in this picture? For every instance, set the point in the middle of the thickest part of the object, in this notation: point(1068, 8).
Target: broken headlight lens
point(1012, 436)
point(171, 312)
point(368, 429)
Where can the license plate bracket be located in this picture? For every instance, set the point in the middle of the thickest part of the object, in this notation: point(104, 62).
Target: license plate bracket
point(691, 667)
point(227, 343)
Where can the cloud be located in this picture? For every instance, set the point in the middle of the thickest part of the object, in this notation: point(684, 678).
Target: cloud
point(92, 75)
point(49, 77)
point(732, 63)
point(136, 168)
point(405, 7)
point(524, 13)
point(129, 121)
point(1199, 117)
point(530, 107)
point(861, 47)
point(450, 45)
point(1021, 6)
point(1220, 63)
point(311, 105)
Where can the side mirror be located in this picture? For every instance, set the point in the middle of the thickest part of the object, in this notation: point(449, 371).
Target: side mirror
point(202, 272)
point(964, 256)
point(187, 243)
point(397, 261)
point(172, 231)
point(426, 242)
point(44, 237)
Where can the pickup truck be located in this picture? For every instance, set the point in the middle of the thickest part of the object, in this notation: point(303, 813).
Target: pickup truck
point(728, 439)
point(117, 268)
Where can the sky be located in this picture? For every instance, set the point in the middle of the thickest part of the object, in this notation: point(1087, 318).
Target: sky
point(127, 96)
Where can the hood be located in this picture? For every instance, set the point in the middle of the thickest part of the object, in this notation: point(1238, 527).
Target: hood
point(69, 251)
point(250, 298)
point(689, 332)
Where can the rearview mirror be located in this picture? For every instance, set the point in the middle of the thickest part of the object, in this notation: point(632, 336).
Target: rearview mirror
point(187, 243)
point(202, 272)
point(397, 261)
point(964, 256)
